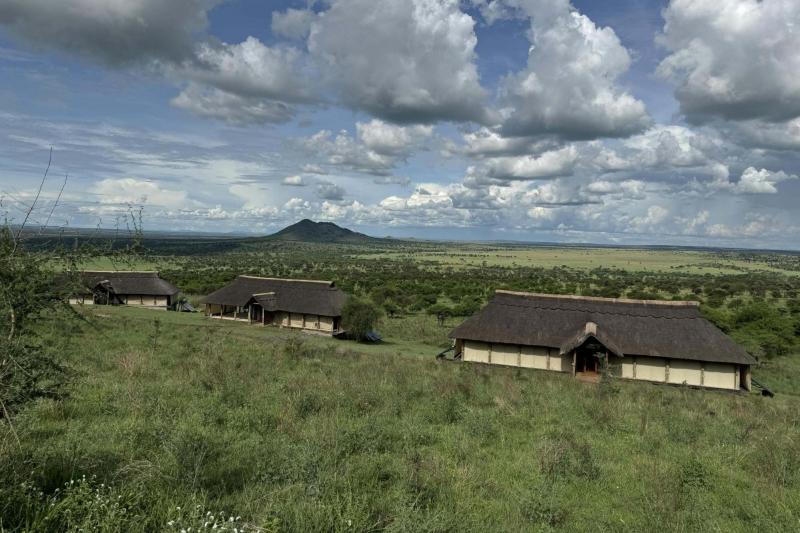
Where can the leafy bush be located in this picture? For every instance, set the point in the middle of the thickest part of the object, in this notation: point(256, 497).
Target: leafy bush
point(359, 317)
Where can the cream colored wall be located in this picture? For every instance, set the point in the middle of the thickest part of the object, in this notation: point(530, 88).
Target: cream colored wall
point(85, 300)
point(560, 363)
point(651, 369)
point(282, 319)
point(685, 372)
point(515, 355)
point(145, 300)
point(296, 320)
point(533, 357)
point(326, 323)
point(714, 375)
point(505, 354)
point(477, 352)
point(720, 376)
point(695, 373)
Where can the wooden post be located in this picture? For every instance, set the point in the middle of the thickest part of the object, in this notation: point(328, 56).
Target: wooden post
point(574, 361)
point(702, 373)
point(634, 368)
point(547, 361)
point(519, 355)
point(490, 352)
point(666, 372)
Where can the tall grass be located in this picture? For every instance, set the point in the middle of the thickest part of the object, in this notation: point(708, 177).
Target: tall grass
point(289, 434)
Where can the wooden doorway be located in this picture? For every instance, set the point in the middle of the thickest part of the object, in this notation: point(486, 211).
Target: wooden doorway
point(590, 359)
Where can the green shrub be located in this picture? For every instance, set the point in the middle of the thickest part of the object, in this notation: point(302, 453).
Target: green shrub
point(359, 317)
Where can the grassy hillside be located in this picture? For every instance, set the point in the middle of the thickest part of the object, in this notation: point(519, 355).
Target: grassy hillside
point(172, 416)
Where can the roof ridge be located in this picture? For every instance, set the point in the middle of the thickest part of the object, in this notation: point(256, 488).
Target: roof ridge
point(118, 271)
point(287, 279)
point(594, 311)
point(665, 303)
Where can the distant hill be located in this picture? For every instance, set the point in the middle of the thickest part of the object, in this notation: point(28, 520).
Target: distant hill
point(310, 231)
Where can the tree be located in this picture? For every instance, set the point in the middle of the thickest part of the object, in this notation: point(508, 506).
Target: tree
point(359, 317)
point(27, 292)
point(441, 311)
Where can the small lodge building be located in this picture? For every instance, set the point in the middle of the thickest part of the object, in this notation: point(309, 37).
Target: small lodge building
point(649, 340)
point(314, 306)
point(140, 289)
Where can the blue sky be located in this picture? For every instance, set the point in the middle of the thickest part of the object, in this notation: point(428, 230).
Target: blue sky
point(611, 122)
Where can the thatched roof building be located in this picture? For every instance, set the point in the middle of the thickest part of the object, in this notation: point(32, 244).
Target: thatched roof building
point(653, 340)
point(144, 289)
point(306, 304)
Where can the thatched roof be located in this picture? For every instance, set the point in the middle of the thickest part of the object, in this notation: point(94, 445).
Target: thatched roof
point(656, 328)
point(145, 283)
point(275, 294)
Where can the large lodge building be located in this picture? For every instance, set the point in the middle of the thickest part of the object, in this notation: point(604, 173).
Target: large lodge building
point(314, 306)
point(649, 340)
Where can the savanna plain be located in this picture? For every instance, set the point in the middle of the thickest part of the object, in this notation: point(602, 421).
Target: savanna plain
point(171, 421)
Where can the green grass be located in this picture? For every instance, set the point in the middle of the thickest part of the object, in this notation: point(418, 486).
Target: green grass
point(295, 432)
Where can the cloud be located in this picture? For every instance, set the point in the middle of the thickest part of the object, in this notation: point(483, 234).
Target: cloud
point(292, 23)
point(377, 148)
point(115, 32)
point(629, 189)
point(486, 142)
point(548, 165)
point(244, 83)
point(568, 87)
point(406, 62)
point(733, 59)
point(769, 135)
point(656, 215)
point(668, 146)
point(250, 68)
point(294, 181)
point(389, 139)
point(231, 108)
point(330, 191)
point(310, 168)
point(392, 180)
point(753, 181)
point(344, 151)
point(135, 191)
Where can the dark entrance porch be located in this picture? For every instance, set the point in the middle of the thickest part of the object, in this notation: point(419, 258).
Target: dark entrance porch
point(590, 360)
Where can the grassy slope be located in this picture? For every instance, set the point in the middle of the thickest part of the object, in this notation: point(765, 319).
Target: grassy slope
point(311, 434)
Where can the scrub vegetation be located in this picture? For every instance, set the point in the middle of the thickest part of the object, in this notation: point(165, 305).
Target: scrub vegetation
point(166, 421)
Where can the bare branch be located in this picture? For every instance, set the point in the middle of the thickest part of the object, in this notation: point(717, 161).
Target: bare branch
point(33, 205)
point(58, 198)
